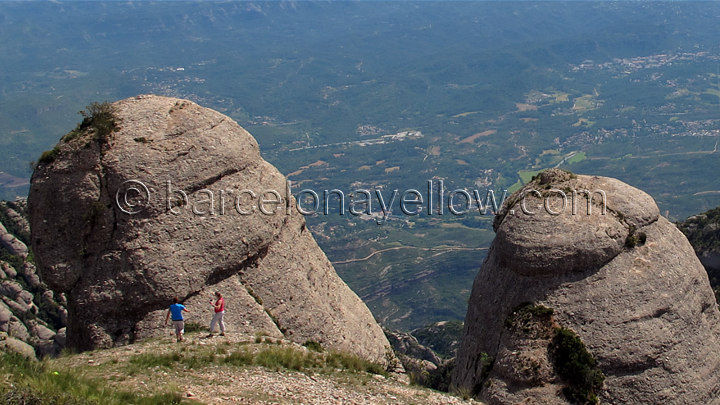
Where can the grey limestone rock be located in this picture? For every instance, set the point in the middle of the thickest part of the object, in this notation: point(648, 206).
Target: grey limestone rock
point(5, 315)
point(407, 344)
point(627, 282)
point(60, 337)
point(10, 289)
point(40, 331)
point(11, 344)
point(14, 245)
point(18, 330)
point(21, 223)
point(25, 297)
point(29, 274)
point(19, 307)
point(9, 271)
point(42, 338)
point(121, 270)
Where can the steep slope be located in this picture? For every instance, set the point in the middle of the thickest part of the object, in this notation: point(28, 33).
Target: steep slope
point(625, 286)
point(154, 197)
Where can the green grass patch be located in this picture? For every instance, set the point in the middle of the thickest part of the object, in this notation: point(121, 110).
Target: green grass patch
point(239, 358)
point(149, 360)
point(527, 175)
point(584, 103)
point(351, 362)
point(191, 327)
point(276, 358)
point(37, 383)
point(584, 122)
point(515, 187)
point(271, 357)
point(578, 157)
point(314, 346)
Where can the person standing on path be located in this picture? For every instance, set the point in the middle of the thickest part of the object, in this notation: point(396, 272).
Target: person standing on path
point(219, 307)
point(176, 310)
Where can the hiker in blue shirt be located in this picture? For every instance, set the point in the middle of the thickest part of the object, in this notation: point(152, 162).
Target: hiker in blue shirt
point(176, 310)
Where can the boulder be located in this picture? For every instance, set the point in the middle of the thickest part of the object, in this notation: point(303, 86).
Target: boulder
point(29, 274)
point(63, 314)
point(13, 345)
point(25, 297)
point(18, 330)
point(10, 289)
point(178, 202)
point(45, 348)
point(13, 245)
point(48, 297)
point(5, 315)
point(60, 337)
point(9, 270)
point(20, 222)
point(41, 331)
point(15, 306)
point(623, 278)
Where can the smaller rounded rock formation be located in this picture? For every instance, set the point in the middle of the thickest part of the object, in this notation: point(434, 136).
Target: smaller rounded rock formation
point(616, 276)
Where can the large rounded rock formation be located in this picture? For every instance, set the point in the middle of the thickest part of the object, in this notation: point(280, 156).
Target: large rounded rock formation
point(153, 197)
point(614, 274)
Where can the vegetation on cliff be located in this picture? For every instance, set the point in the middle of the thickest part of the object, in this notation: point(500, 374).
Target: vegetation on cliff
point(571, 360)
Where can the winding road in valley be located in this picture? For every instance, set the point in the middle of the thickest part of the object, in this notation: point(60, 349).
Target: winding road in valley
point(439, 250)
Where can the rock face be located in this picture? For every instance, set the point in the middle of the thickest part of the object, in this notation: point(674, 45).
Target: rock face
point(627, 283)
point(11, 243)
point(177, 201)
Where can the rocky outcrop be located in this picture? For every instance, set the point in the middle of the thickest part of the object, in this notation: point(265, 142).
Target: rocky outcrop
point(12, 244)
point(442, 337)
point(29, 315)
point(173, 199)
point(703, 232)
point(29, 312)
point(11, 344)
point(406, 344)
point(626, 282)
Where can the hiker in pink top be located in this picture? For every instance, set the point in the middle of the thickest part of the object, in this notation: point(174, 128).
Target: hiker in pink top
point(219, 307)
